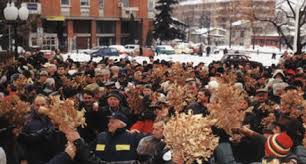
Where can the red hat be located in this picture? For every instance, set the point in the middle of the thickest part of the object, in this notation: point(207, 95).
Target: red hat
point(291, 72)
point(278, 145)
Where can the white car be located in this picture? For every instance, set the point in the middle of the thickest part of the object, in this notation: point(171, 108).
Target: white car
point(122, 50)
point(183, 48)
point(132, 49)
point(165, 49)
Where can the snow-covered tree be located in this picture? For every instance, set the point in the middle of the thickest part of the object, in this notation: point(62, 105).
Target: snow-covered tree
point(165, 27)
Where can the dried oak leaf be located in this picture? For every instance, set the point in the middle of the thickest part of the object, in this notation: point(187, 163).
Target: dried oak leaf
point(63, 114)
point(292, 102)
point(14, 110)
point(225, 107)
point(191, 136)
point(176, 97)
point(135, 101)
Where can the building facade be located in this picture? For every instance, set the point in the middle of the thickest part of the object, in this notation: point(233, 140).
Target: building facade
point(223, 13)
point(83, 24)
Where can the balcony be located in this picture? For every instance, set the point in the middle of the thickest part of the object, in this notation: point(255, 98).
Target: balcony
point(127, 12)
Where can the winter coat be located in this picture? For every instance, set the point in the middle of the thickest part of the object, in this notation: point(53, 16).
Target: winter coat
point(144, 126)
point(62, 158)
point(117, 147)
point(196, 108)
point(300, 152)
point(96, 122)
point(38, 134)
point(151, 150)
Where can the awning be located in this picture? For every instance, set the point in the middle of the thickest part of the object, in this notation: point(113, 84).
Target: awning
point(55, 18)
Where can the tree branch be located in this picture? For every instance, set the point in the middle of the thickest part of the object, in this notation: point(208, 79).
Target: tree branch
point(286, 13)
point(279, 30)
point(291, 8)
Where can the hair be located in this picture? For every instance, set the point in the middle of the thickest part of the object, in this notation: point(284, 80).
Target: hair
point(206, 92)
point(89, 93)
point(160, 120)
point(45, 98)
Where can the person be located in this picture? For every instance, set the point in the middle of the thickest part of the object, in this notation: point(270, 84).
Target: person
point(94, 117)
point(39, 132)
point(200, 52)
point(65, 157)
point(208, 49)
point(116, 145)
point(225, 51)
point(152, 149)
point(274, 56)
point(200, 106)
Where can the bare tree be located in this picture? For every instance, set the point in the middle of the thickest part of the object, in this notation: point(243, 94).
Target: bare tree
point(284, 20)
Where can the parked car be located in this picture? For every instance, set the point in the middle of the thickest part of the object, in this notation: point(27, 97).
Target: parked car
point(235, 58)
point(121, 49)
point(183, 48)
point(89, 51)
point(165, 49)
point(105, 52)
point(132, 49)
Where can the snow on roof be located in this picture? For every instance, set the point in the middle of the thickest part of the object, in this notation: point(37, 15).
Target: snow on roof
point(202, 31)
point(240, 22)
point(177, 20)
point(195, 2)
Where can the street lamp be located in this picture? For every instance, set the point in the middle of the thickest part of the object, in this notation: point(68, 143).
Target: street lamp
point(11, 14)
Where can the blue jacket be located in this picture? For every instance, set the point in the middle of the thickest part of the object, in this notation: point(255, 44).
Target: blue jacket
point(121, 146)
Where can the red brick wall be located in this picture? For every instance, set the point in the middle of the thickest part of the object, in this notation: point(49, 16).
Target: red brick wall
point(93, 33)
point(70, 30)
point(51, 8)
point(94, 8)
point(142, 7)
point(75, 8)
point(146, 28)
point(118, 32)
point(111, 8)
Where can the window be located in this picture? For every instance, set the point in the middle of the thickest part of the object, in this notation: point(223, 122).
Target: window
point(84, 2)
point(101, 4)
point(242, 34)
point(65, 2)
point(125, 3)
point(151, 6)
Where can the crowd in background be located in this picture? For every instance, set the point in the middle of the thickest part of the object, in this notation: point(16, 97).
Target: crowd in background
point(115, 133)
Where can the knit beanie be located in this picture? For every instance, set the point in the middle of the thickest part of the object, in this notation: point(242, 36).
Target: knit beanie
point(278, 145)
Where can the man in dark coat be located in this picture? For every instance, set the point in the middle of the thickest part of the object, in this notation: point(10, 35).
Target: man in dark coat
point(114, 104)
point(200, 106)
point(152, 149)
point(116, 145)
point(94, 118)
point(39, 134)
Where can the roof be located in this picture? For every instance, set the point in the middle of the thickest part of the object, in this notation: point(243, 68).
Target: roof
point(195, 2)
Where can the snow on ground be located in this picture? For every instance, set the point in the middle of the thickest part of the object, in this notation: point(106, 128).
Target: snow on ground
point(264, 58)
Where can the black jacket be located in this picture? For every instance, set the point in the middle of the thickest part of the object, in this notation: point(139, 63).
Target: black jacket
point(61, 158)
point(120, 146)
point(40, 140)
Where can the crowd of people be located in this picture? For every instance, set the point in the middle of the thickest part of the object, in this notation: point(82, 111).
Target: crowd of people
point(117, 133)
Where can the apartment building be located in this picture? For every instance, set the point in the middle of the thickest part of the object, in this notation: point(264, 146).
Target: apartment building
point(82, 24)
